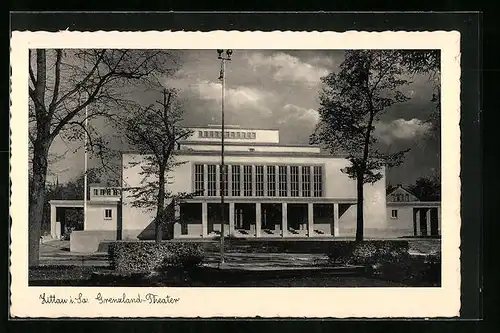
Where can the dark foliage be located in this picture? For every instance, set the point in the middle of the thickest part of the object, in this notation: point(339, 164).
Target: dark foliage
point(144, 256)
point(367, 252)
point(427, 188)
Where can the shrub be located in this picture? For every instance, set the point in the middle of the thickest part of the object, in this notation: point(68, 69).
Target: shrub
point(149, 256)
point(367, 252)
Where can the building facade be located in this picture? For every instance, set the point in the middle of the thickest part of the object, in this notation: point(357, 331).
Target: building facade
point(408, 216)
point(271, 190)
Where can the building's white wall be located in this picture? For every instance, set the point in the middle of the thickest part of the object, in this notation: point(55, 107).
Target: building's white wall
point(269, 149)
point(337, 186)
point(404, 221)
point(95, 217)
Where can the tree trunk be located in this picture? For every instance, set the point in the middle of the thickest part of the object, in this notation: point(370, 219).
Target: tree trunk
point(160, 205)
point(37, 200)
point(359, 210)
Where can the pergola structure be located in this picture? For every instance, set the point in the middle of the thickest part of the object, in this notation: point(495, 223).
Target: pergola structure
point(55, 225)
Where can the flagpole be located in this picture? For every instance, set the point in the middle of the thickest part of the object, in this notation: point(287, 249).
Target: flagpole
point(85, 174)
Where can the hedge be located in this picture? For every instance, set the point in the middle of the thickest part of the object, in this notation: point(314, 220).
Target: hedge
point(368, 252)
point(141, 256)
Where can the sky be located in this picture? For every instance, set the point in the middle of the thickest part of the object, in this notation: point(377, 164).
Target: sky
point(279, 89)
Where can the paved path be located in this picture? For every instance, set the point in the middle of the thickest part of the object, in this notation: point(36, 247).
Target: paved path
point(57, 253)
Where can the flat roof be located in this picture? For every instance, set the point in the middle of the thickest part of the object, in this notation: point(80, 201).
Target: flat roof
point(415, 203)
point(234, 127)
point(247, 143)
point(244, 153)
point(79, 203)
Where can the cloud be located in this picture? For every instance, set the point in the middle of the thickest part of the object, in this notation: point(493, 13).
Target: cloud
point(295, 112)
point(237, 97)
point(401, 129)
point(288, 68)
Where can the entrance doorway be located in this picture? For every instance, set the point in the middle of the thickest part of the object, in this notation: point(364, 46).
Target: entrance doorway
point(215, 218)
point(244, 218)
point(271, 219)
point(297, 218)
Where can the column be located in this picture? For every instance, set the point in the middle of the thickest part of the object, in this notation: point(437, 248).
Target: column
point(428, 221)
point(58, 230)
point(284, 219)
point(415, 225)
point(335, 220)
point(53, 217)
point(439, 220)
point(258, 219)
point(310, 219)
point(231, 218)
point(177, 217)
point(204, 219)
point(417, 221)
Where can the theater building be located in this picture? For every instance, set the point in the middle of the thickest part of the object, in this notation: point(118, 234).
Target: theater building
point(271, 190)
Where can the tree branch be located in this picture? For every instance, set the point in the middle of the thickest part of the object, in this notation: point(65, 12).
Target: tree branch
point(32, 75)
point(80, 84)
point(58, 80)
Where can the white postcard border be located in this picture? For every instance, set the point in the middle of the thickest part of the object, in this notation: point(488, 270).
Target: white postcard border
point(243, 302)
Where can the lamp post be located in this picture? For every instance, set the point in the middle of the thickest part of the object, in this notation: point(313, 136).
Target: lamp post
point(223, 58)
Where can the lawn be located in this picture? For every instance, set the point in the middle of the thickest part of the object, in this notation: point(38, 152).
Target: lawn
point(83, 276)
point(203, 277)
point(70, 270)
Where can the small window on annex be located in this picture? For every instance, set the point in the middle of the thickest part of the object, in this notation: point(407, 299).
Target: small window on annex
point(394, 214)
point(108, 214)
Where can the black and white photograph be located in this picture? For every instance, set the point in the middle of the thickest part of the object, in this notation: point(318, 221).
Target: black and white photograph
point(189, 169)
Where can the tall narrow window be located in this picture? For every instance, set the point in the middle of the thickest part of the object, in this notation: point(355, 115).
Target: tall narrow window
point(306, 181)
point(259, 180)
point(199, 179)
point(282, 175)
point(317, 182)
point(102, 191)
point(271, 181)
point(212, 188)
point(236, 178)
point(294, 181)
point(223, 179)
point(247, 180)
point(96, 191)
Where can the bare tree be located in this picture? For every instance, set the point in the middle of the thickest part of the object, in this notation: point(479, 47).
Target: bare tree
point(156, 132)
point(65, 82)
point(351, 102)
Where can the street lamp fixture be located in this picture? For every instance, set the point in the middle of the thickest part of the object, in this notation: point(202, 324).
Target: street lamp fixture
point(222, 77)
